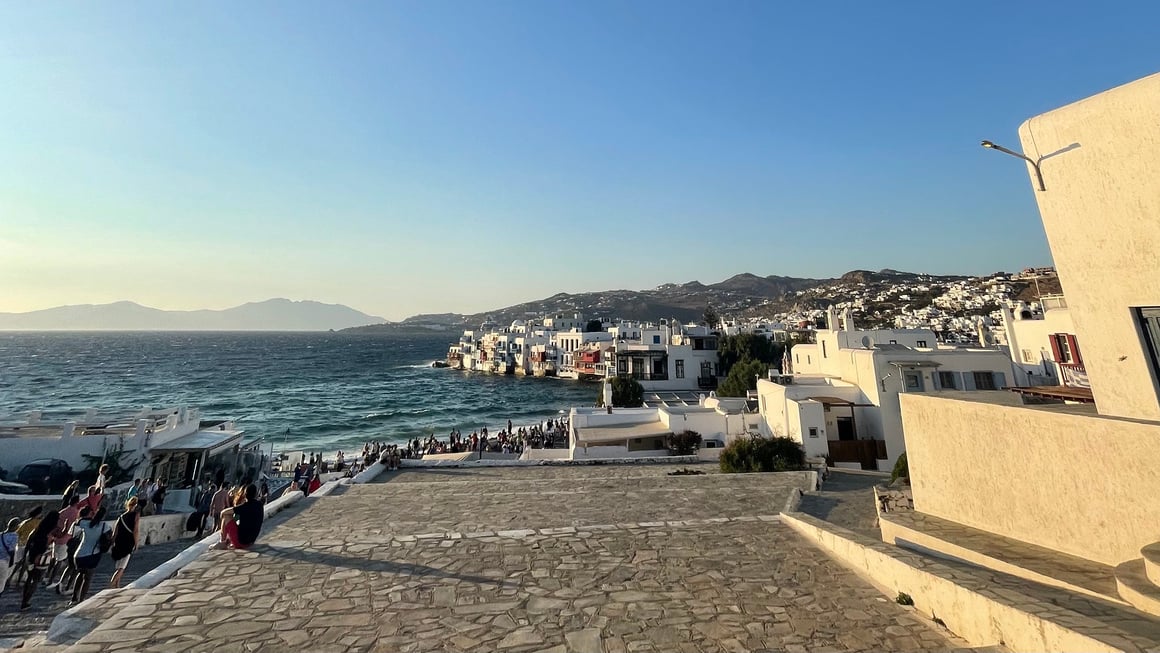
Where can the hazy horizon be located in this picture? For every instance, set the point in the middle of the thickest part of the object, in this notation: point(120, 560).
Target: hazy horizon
point(434, 157)
point(480, 310)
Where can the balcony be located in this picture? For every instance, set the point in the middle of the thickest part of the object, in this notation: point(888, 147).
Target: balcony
point(1074, 375)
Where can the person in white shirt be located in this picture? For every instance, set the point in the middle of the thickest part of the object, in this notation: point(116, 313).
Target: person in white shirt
point(102, 478)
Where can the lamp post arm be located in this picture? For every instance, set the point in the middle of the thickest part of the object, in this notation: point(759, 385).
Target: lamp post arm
point(1034, 164)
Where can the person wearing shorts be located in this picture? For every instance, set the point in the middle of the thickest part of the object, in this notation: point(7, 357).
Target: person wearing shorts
point(61, 536)
point(125, 537)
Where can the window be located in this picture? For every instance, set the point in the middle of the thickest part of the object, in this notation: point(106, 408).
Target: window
point(824, 355)
point(813, 431)
point(921, 343)
point(913, 381)
point(808, 359)
point(1029, 356)
point(656, 340)
point(680, 368)
point(1150, 324)
point(947, 380)
point(894, 342)
point(984, 380)
point(1061, 347)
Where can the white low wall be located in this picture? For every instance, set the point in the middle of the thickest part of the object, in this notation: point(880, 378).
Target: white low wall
point(545, 454)
point(1054, 476)
point(655, 460)
point(967, 605)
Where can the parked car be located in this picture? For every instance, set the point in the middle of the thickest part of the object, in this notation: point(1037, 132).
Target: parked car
point(46, 476)
point(8, 487)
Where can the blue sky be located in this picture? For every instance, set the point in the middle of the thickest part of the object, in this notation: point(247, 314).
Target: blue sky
point(406, 157)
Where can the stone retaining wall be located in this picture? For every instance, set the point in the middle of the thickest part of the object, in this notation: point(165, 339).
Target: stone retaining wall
point(892, 499)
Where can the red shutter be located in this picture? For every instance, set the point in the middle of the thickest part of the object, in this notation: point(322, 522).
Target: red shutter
point(1057, 354)
point(1076, 358)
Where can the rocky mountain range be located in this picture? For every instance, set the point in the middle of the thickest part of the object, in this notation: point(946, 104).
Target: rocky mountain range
point(269, 315)
point(746, 295)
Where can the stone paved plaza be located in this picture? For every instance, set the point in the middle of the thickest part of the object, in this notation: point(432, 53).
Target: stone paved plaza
point(583, 558)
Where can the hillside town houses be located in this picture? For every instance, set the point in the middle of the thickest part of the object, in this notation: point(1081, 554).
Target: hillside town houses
point(836, 391)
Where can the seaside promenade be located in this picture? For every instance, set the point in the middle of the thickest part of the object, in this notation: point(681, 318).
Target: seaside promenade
point(563, 558)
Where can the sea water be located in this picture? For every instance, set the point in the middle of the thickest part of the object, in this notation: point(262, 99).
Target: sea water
point(311, 391)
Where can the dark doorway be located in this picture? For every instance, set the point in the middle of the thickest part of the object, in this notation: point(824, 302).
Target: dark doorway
point(846, 428)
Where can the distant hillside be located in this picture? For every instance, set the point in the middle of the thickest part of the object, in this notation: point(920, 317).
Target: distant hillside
point(270, 315)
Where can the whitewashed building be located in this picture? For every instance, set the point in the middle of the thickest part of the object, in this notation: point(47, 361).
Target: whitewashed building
point(1043, 344)
point(840, 396)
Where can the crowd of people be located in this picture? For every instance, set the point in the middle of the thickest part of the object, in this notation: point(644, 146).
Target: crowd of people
point(70, 540)
point(545, 435)
point(60, 548)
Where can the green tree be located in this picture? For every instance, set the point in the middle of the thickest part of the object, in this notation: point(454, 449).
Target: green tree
point(684, 443)
point(747, 347)
point(711, 317)
point(593, 326)
point(627, 392)
point(741, 378)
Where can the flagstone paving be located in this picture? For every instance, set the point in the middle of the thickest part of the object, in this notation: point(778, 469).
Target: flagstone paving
point(598, 558)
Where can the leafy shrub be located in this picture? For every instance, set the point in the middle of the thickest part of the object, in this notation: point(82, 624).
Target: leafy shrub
point(684, 443)
point(901, 468)
point(762, 455)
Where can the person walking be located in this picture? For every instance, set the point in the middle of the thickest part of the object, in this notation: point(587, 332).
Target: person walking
point(204, 503)
point(220, 501)
point(102, 478)
point(134, 489)
point(158, 498)
point(38, 555)
point(69, 575)
point(23, 531)
point(93, 535)
point(126, 535)
point(8, 552)
point(61, 536)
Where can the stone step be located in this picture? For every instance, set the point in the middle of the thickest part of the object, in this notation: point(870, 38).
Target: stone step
point(1151, 555)
point(1135, 587)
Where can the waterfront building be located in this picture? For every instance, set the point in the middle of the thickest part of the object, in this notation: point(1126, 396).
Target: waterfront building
point(840, 397)
point(667, 357)
point(1065, 491)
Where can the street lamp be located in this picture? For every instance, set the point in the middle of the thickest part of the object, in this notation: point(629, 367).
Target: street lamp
point(1038, 175)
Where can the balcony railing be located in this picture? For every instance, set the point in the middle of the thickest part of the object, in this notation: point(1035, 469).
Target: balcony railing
point(707, 382)
point(1074, 375)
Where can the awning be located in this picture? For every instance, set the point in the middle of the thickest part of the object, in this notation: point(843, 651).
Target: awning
point(916, 363)
point(602, 434)
point(211, 442)
point(838, 401)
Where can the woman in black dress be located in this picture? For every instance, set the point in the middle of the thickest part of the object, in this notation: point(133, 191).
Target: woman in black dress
point(124, 540)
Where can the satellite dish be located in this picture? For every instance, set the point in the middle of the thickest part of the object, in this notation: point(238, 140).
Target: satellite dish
point(867, 342)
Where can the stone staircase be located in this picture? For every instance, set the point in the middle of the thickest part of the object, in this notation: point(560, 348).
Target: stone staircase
point(1138, 581)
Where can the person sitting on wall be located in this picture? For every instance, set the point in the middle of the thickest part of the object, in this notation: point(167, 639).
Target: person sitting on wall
point(242, 523)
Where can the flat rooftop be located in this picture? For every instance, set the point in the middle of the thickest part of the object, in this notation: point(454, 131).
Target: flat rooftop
point(612, 558)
